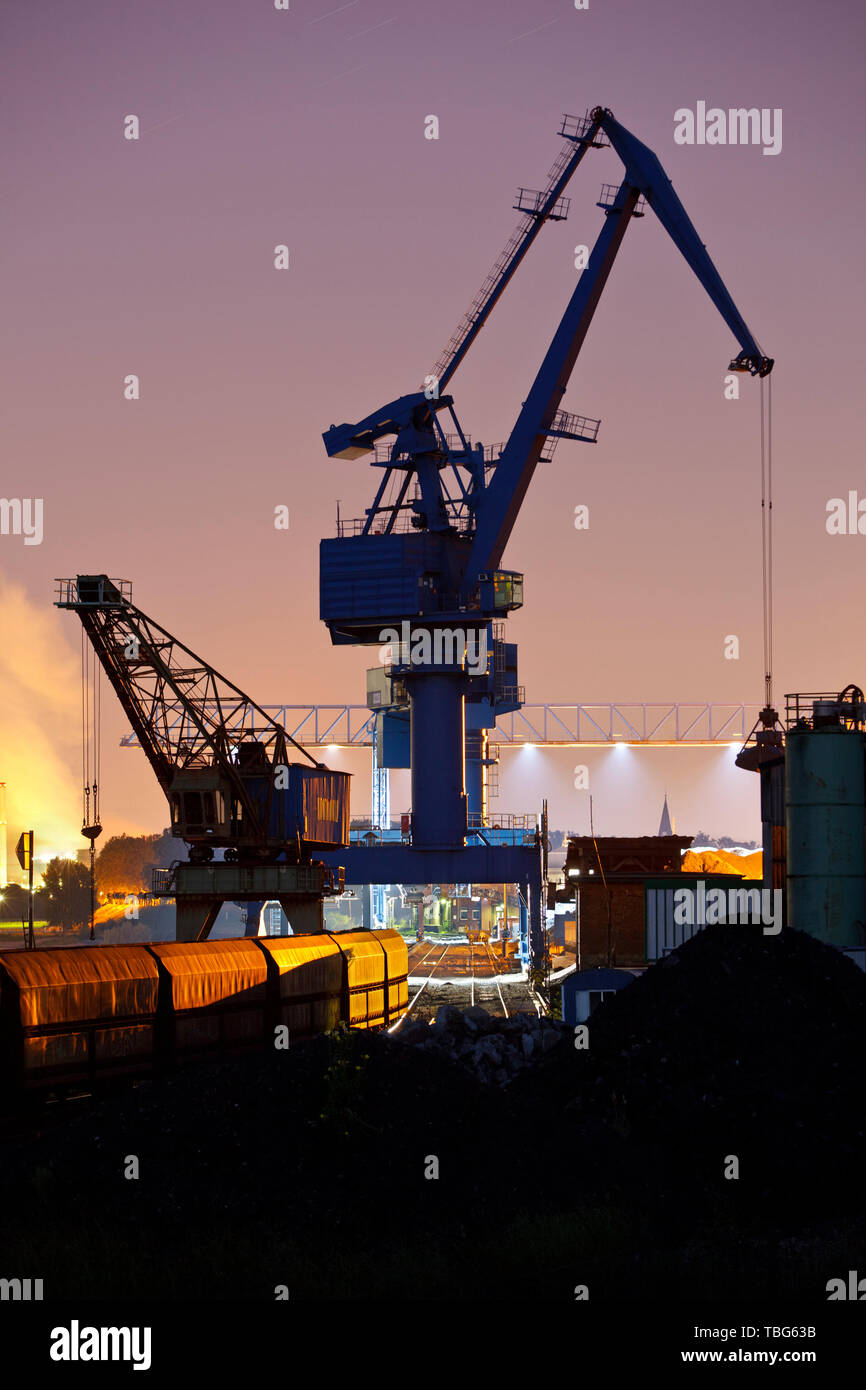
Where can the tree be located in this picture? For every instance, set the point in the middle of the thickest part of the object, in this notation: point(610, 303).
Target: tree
point(125, 861)
point(65, 894)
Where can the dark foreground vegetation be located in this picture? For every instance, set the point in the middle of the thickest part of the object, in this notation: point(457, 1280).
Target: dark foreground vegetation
point(603, 1167)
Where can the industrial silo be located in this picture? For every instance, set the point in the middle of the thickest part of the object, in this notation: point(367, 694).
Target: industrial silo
point(825, 815)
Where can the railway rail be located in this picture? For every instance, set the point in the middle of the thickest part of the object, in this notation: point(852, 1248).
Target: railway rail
point(421, 989)
point(474, 976)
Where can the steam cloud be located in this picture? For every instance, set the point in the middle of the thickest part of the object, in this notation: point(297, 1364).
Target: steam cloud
point(40, 721)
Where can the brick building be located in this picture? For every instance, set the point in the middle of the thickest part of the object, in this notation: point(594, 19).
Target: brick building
point(607, 878)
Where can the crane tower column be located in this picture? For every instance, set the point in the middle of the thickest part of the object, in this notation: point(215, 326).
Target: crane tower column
point(437, 743)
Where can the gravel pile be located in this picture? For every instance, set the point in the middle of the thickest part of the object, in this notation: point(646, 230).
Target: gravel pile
point(493, 1049)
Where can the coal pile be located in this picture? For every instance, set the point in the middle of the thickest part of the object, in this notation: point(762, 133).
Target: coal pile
point(736, 1044)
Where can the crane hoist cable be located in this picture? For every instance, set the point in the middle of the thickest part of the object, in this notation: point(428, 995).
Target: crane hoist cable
point(595, 845)
point(85, 741)
point(91, 758)
point(91, 732)
point(767, 577)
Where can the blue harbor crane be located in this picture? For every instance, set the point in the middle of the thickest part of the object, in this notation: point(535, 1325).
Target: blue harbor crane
point(422, 570)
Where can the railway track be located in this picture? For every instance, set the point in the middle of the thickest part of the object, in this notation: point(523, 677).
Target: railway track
point(500, 1000)
point(487, 992)
point(473, 969)
point(415, 1009)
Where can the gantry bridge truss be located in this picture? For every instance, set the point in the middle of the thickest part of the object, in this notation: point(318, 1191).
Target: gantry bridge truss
point(658, 725)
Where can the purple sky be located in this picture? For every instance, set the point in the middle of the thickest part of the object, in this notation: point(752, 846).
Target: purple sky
point(261, 127)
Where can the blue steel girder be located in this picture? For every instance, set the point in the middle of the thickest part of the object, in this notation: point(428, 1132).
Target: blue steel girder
point(394, 863)
point(399, 863)
point(498, 506)
point(644, 172)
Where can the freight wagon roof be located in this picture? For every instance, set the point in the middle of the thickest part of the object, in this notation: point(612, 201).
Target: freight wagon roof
point(69, 981)
point(365, 952)
point(289, 951)
point(69, 964)
point(307, 964)
point(205, 972)
point(368, 942)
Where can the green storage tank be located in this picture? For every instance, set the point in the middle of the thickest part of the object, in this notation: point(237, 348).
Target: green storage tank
point(826, 815)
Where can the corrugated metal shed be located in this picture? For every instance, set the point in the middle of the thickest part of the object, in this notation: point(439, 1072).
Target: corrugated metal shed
point(663, 932)
point(325, 806)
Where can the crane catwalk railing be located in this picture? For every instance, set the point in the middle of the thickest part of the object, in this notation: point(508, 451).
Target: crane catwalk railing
point(697, 725)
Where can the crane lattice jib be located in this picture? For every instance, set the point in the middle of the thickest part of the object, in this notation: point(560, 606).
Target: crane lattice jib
point(184, 713)
point(580, 135)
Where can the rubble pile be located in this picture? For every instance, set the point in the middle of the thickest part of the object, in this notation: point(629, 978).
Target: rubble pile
point(493, 1049)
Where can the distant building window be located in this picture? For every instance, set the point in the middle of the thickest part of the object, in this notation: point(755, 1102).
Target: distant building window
point(463, 914)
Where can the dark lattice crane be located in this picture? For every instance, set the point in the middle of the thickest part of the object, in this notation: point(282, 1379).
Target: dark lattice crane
point(222, 763)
